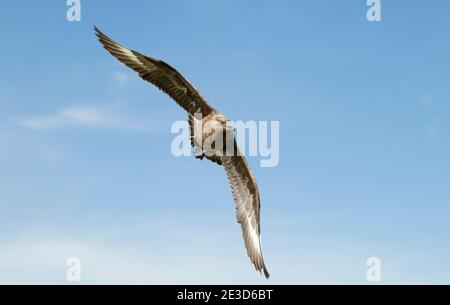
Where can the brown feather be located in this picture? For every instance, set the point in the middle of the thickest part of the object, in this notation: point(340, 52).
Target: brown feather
point(160, 74)
point(244, 188)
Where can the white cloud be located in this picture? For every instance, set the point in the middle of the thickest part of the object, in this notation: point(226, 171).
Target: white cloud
point(179, 252)
point(416, 94)
point(41, 259)
point(91, 117)
point(121, 79)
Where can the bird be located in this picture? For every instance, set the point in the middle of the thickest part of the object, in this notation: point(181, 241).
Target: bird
point(222, 151)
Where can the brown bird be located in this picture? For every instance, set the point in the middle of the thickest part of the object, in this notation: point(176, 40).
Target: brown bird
point(222, 150)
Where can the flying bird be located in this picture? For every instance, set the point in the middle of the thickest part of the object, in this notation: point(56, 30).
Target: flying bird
point(242, 181)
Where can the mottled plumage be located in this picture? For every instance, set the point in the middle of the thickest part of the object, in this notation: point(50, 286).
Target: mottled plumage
point(243, 184)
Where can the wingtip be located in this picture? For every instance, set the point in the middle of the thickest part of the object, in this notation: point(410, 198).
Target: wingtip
point(266, 273)
point(263, 270)
point(96, 30)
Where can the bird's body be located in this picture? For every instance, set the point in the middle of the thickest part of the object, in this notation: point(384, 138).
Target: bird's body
point(212, 137)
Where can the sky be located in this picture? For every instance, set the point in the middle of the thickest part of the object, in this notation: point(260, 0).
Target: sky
point(86, 168)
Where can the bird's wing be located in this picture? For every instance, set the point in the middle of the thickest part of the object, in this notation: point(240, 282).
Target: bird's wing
point(159, 74)
point(247, 204)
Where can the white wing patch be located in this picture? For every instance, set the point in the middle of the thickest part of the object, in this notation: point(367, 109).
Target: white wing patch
point(246, 215)
point(126, 52)
point(243, 184)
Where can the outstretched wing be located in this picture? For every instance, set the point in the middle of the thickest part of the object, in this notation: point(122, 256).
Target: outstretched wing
point(246, 200)
point(160, 74)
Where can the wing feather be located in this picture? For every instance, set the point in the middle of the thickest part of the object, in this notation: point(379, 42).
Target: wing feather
point(160, 74)
point(243, 184)
point(247, 203)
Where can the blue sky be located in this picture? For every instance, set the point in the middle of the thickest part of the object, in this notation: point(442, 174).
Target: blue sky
point(86, 168)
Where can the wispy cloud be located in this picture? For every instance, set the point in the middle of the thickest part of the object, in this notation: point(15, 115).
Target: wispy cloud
point(121, 79)
point(419, 96)
point(89, 117)
point(191, 256)
point(40, 257)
